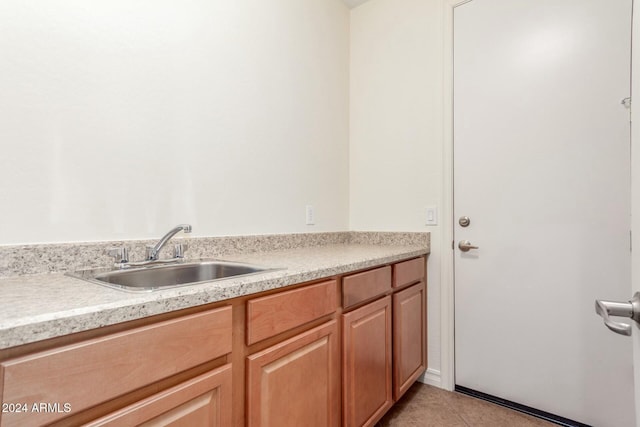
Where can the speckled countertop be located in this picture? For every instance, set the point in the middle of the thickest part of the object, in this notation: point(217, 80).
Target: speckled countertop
point(40, 306)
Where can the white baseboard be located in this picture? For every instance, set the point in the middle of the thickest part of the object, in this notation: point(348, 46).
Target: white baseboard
point(431, 377)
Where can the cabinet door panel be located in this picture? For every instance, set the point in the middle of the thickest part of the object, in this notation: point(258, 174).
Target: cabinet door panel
point(204, 401)
point(367, 363)
point(296, 382)
point(409, 337)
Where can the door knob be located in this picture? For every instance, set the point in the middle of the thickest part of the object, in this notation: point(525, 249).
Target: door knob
point(465, 245)
point(619, 309)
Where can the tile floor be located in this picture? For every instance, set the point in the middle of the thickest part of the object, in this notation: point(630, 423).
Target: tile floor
point(428, 406)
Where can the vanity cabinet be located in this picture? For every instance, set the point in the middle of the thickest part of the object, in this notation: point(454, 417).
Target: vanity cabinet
point(296, 381)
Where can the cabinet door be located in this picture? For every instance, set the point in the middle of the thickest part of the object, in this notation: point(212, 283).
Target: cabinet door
point(409, 337)
point(296, 382)
point(204, 401)
point(367, 363)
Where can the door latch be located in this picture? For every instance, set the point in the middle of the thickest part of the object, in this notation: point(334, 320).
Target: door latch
point(629, 309)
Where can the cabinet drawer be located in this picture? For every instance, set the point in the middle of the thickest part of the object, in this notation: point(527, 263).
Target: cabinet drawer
point(97, 370)
point(364, 286)
point(273, 314)
point(408, 272)
point(204, 400)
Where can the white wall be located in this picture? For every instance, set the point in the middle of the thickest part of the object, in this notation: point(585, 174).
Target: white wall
point(119, 119)
point(396, 128)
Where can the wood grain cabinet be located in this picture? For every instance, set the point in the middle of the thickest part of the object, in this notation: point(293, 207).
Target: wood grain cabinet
point(409, 336)
point(296, 382)
point(384, 341)
point(409, 324)
point(334, 352)
point(94, 371)
point(204, 401)
point(366, 362)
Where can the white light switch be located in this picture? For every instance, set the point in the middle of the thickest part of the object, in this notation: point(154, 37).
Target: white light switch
point(309, 215)
point(431, 217)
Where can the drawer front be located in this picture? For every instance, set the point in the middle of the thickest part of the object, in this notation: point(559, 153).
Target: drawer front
point(268, 316)
point(94, 371)
point(364, 286)
point(408, 272)
point(205, 400)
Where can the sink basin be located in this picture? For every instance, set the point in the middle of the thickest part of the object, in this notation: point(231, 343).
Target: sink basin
point(170, 276)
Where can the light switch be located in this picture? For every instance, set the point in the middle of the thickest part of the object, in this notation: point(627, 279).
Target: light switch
point(431, 215)
point(310, 217)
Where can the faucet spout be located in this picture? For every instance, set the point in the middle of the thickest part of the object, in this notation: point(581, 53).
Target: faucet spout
point(152, 254)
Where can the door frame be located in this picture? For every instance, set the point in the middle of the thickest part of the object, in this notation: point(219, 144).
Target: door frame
point(447, 300)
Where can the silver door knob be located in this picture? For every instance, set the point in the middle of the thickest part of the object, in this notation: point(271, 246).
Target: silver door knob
point(629, 309)
point(465, 246)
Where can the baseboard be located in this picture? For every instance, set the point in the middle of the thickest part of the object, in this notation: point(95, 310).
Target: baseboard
point(431, 377)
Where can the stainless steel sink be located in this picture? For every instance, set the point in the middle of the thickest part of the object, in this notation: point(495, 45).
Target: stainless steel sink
point(169, 276)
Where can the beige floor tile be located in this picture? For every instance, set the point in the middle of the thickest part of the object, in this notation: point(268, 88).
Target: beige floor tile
point(428, 406)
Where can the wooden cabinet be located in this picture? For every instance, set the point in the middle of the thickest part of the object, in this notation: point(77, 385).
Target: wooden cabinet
point(296, 382)
point(334, 352)
point(268, 316)
point(384, 341)
point(409, 337)
point(366, 362)
point(94, 371)
point(365, 286)
point(408, 272)
point(202, 401)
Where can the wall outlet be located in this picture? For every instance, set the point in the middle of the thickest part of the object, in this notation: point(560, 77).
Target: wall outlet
point(310, 216)
point(431, 215)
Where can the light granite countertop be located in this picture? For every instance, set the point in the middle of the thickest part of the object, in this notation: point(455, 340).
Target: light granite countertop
point(40, 306)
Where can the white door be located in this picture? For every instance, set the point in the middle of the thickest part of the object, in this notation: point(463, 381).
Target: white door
point(542, 170)
point(635, 198)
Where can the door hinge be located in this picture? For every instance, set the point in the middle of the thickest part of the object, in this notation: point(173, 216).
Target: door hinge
point(453, 244)
point(630, 241)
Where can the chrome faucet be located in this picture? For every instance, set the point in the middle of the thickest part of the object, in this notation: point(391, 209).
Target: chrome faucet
point(153, 251)
point(121, 254)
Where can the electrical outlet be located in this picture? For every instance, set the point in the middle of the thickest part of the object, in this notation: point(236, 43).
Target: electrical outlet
point(310, 217)
point(431, 215)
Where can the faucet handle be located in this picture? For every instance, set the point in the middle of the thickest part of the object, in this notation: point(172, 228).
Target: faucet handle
point(179, 249)
point(121, 254)
point(148, 250)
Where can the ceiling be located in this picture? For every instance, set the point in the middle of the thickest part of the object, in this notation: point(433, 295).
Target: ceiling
point(353, 3)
